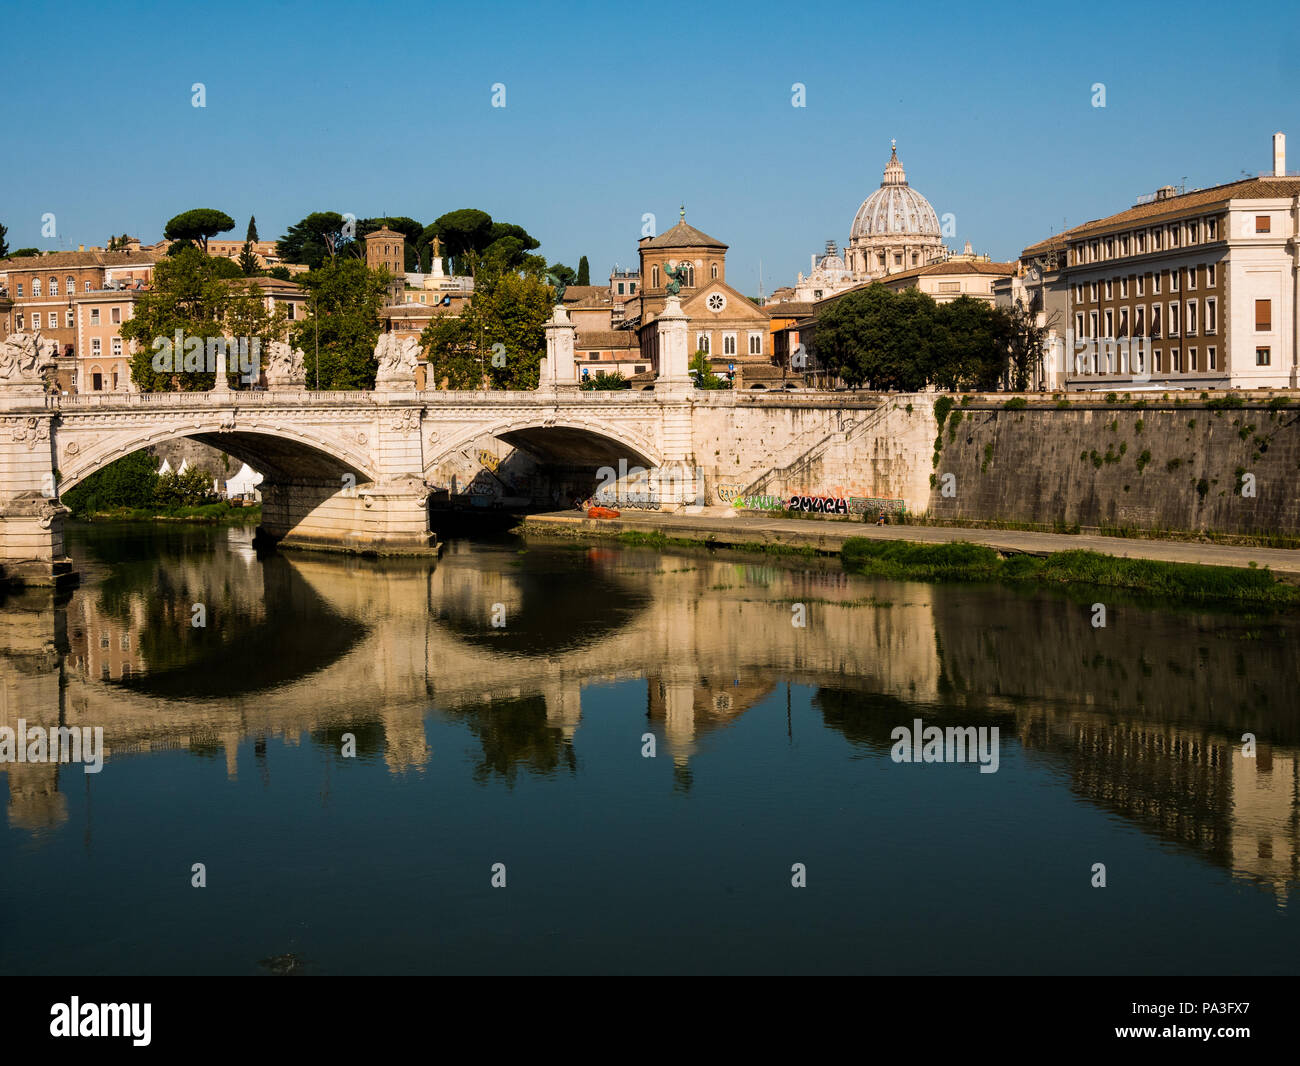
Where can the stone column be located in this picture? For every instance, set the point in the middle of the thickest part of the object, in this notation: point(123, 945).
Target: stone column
point(559, 369)
point(674, 349)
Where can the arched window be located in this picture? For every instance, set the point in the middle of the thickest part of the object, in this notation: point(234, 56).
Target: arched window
point(54, 286)
point(690, 276)
point(654, 278)
point(36, 286)
point(715, 270)
point(72, 284)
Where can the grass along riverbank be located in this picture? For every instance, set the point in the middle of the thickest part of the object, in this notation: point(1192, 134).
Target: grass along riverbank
point(208, 513)
point(963, 561)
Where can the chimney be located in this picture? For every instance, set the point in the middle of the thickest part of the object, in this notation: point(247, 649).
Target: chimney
point(1279, 155)
point(81, 247)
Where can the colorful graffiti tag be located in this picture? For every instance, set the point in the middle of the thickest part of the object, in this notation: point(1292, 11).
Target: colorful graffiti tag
point(874, 505)
point(818, 504)
point(759, 503)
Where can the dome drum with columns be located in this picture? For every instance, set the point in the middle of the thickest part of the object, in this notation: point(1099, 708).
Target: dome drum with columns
point(895, 228)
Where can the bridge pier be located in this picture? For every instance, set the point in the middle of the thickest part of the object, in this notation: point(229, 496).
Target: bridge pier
point(31, 519)
point(387, 518)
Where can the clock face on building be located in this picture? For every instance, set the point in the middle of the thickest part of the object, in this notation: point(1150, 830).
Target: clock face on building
point(716, 302)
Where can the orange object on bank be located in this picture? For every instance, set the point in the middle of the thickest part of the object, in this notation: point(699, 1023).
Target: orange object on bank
point(602, 512)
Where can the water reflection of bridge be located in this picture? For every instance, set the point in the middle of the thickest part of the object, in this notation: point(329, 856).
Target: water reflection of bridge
point(1152, 736)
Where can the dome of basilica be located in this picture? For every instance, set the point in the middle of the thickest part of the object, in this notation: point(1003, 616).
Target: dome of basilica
point(895, 209)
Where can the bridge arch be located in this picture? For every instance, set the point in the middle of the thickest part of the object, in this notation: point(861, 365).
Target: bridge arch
point(558, 438)
point(278, 452)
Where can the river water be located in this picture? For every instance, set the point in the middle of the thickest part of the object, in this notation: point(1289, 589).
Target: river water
point(354, 751)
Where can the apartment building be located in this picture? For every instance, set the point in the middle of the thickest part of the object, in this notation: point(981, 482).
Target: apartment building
point(1193, 290)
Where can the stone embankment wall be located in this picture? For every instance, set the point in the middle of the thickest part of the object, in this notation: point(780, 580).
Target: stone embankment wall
point(1137, 463)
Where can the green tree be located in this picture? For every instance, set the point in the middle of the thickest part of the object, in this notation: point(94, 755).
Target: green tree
point(318, 237)
point(118, 244)
point(197, 226)
point(203, 297)
point(4, 243)
point(250, 234)
point(190, 489)
point(24, 253)
point(131, 481)
point(878, 337)
point(703, 373)
point(603, 381)
point(343, 319)
point(565, 274)
point(584, 271)
point(510, 309)
point(970, 345)
point(248, 260)
point(470, 238)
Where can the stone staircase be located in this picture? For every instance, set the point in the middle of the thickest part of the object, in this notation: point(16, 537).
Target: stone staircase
point(794, 460)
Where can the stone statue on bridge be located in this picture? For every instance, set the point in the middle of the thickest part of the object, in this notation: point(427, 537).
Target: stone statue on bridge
point(397, 357)
point(24, 359)
point(285, 367)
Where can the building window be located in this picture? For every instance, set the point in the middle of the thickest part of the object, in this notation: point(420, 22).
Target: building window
point(1141, 285)
point(690, 276)
point(898, 259)
point(1155, 239)
point(96, 379)
point(702, 343)
point(36, 286)
point(1175, 319)
point(1210, 275)
point(1110, 324)
point(654, 277)
point(1139, 321)
point(1155, 284)
point(1263, 356)
point(1191, 358)
point(117, 346)
point(728, 344)
point(115, 316)
point(1092, 291)
point(53, 319)
point(632, 288)
point(71, 284)
point(1263, 316)
point(94, 316)
point(1092, 324)
point(714, 270)
point(67, 320)
point(1123, 288)
point(1211, 232)
point(1173, 235)
point(20, 288)
point(1141, 241)
point(1157, 363)
point(1193, 235)
point(1211, 321)
point(1110, 290)
point(756, 344)
point(54, 286)
point(1078, 324)
point(1078, 292)
point(1155, 320)
point(19, 321)
point(95, 346)
point(1263, 224)
point(88, 286)
point(1175, 361)
point(1123, 321)
point(1191, 317)
point(291, 309)
point(1123, 245)
point(1209, 359)
point(1174, 277)
point(620, 288)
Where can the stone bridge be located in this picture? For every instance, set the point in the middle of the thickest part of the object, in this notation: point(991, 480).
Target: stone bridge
point(355, 471)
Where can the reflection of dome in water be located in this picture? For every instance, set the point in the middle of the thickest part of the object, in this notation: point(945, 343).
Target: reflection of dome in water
point(895, 208)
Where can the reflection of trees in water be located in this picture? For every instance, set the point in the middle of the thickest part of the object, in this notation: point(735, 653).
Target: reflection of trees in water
point(515, 733)
point(370, 735)
point(865, 719)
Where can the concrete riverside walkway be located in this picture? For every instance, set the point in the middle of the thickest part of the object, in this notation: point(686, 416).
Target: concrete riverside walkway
point(727, 526)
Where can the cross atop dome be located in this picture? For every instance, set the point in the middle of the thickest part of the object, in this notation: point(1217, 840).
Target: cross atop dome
point(894, 173)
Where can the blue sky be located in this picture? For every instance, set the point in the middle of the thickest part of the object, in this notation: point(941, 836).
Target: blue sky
point(614, 110)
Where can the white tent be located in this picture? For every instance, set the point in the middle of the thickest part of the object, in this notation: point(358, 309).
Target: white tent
point(166, 468)
point(243, 483)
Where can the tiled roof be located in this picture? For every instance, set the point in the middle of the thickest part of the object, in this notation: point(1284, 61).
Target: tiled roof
point(61, 260)
point(789, 310)
point(587, 295)
point(951, 267)
point(607, 338)
point(683, 236)
point(385, 232)
point(1266, 188)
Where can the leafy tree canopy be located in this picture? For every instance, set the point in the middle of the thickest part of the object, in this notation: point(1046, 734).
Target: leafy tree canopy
point(316, 238)
point(197, 226)
point(343, 319)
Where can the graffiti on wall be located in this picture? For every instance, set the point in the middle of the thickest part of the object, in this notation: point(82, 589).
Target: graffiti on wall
point(818, 504)
point(759, 503)
point(875, 505)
